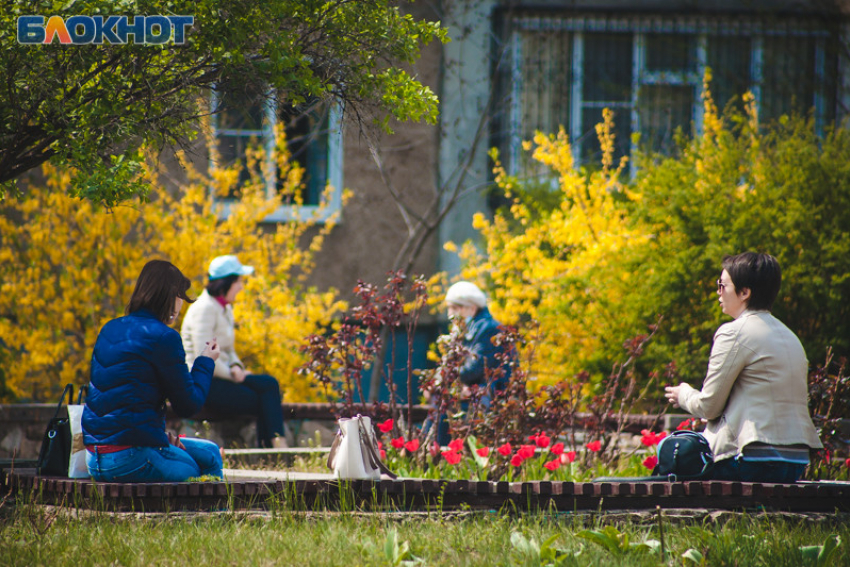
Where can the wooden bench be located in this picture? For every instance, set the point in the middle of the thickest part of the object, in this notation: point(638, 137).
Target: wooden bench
point(305, 493)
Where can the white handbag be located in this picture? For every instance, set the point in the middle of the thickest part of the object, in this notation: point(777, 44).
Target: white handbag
point(354, 454)
point(77, 466)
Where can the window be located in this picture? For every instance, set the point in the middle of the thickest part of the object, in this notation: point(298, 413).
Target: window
point(649, 70)
point(313, 135)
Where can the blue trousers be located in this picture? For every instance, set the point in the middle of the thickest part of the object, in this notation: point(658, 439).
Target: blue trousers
point(742, 470)
point(258, 395)
point(442, 435)
point(157, 464)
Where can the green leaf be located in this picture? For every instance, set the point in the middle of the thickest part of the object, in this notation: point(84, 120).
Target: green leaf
point(694, 556)
point(830, 546)
point(610, 538)
point(524, 545)
point(652, 545)
point(821, 555)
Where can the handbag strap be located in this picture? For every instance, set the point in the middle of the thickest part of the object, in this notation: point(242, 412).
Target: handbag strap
point(69, 389)
point(334, 449)
point(367, 442)
point(84, 393)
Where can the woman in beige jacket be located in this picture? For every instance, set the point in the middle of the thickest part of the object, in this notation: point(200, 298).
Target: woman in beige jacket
point(234, 390)
point(754, 395)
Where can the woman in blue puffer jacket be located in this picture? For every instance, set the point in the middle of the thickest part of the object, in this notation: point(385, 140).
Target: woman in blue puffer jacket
point(138, 363)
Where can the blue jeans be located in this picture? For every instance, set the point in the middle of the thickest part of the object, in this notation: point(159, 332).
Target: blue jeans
point(742, 470)
point(258, 395)
point(157, 464)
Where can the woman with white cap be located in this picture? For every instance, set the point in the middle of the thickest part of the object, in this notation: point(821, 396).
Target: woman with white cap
point(234, 390)
point(467, 308)
point(467, 302)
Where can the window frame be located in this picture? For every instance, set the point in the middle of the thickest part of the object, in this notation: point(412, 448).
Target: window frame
point(321, 213)
point(699, 27)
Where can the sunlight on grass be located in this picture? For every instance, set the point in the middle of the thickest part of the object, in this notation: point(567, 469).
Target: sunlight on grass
point(37, 535)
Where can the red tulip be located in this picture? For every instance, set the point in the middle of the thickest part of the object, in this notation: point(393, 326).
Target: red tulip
point(648, 438)
point(542, 441)
point(386, 426)
point(553, 464)
point(557, 449)
point(650, 462)
point(847, 463)
point(412, 445)
point(398, 442)
point(687, 424)
point(594, 446)
point(456, 445)
point(483, 451)
point(516, 460)
point(451, 457)
point(505, 449)
point(525, 451)
point(383, 455)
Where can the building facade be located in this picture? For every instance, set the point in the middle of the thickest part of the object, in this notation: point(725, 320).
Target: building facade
point(524, 66)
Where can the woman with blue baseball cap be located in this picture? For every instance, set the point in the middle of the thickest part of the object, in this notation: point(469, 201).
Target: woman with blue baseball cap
point(234, 390)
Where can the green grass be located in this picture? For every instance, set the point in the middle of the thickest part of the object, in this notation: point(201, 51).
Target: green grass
point(37, 535)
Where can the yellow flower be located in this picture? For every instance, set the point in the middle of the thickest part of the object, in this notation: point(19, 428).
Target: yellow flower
point(67, 267)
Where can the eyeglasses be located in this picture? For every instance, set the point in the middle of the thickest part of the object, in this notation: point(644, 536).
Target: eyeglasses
point(721, 286)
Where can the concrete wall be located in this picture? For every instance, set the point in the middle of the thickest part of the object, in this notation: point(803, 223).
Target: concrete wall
point(373, 229)
point(464, 119)
point(22, 428)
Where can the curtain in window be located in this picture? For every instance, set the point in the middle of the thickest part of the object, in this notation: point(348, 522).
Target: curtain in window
point(545, 66)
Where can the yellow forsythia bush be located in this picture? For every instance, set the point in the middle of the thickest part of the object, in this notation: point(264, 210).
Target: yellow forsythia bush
point(68, 266)
point(554, 269)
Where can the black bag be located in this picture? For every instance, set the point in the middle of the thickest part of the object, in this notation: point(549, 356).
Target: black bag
point(683, 455)
point(55, 451)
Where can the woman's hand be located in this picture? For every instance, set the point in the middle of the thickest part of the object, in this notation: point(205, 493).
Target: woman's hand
point(212, 350)
point(237, 373)
point(672, 394)
point(175, 440)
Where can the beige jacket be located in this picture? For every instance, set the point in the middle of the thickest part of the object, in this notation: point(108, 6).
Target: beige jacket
point(205, 319)
point(755, 388)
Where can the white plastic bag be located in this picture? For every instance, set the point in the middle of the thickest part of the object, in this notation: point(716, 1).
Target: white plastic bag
point(354, 454)
point(77, 466)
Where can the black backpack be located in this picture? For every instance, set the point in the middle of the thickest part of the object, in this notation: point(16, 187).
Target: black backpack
point(684, 455)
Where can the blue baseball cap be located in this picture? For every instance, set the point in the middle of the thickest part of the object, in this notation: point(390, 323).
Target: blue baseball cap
point(230, 265)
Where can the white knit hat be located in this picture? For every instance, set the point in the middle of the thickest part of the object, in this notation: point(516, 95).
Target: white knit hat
point(466, 294)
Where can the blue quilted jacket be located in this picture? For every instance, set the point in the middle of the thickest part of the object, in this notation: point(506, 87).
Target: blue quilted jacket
point(482, 352)
point(138, 363)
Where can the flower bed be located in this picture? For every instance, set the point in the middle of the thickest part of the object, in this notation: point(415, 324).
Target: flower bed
point(543, 457)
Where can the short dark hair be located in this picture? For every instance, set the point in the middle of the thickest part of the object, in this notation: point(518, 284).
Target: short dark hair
point(758, 272)
point(219, 287)
point(157, 288)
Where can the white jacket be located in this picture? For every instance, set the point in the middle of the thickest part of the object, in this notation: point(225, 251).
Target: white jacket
point(205, 319)
point(755, 388)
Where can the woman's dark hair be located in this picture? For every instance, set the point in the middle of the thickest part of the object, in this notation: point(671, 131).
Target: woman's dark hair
point(158, 286)
point(219, 287)
point(758, 272)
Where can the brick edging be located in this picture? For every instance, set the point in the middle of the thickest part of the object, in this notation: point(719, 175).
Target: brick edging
point(434, 495)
